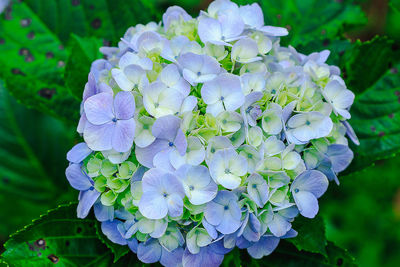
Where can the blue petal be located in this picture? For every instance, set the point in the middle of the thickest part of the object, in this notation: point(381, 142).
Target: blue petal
point(103, 213)
point(311, 181)
point(110, 229)
point(307, 203)
point(279, 226)
point(206, 257)
point(78, 153)
point(133, 245)
point(340, 156)
point(150, 251)
point(264, 247)
point(146, 155)
point(210, 229)
point(86, 201)
point(77, 178)
point(166, 127)
point(173, 258)
point(252, 230)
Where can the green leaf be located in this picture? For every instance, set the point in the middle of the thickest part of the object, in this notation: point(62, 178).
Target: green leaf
point(392, 20)
point(373, 57)
point(83, 18)
point(33, 36)
point(127, 13)
point(311, 235)
point(117, 250)
point(32, 163)
point(376, 121)
point(57, 237)
point(337, 47)
point(287, 255)
point(309, 20)
point(34, 65)
point(83, 52)
point(191, 6)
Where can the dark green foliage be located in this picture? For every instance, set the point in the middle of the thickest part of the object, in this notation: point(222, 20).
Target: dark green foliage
point(365, 62)
point(32, 163)
point(376, 119)
point(34, 65)
point(48, 48)
point(287, 255)
point(117, 250)
point(57, 237)
point(311, 19)
point(36, 34)
point(311, 235)
point(363, 214)
point(83, 52)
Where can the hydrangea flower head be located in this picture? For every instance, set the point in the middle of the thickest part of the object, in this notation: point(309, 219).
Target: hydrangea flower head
point(203, 134)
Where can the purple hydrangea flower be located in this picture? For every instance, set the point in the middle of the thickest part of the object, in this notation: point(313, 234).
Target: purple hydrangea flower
point(223, 212)
point(111, 124)
point(162, 194)
point(168, 136)
point(151, 251)
point(80, 181)
point(198, 68)
point(306, 189)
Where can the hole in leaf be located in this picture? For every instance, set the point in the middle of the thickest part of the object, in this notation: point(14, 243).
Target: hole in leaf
point(96, 23)
point(31, 35)
point(67, 243)
point(47, 93)
point(17, 71)
point(381, 134)
point(5, 180)
point(395, 47)
point(91, 7)
point(326, 42)
point(339, 262)
point(323, 32)
point(23, 52)
point(60, 64)
point(2, 41)
point(391, 116)
point(49, 55)
point(26, 22)
point(75, 2)
point(40, 243)
point(373, 128)
point(394, 70)
point(29, 58)
point(79, 230)
point(53, 258)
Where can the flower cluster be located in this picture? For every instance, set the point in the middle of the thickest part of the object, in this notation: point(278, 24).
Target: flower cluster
point(202, 134)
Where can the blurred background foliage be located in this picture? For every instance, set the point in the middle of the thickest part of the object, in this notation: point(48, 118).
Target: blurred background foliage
point(45, 52)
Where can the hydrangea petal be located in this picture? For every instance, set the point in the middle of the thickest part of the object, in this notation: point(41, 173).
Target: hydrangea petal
point(78, 153)
point(77, 178)
point(149, 251)
point(86, 201)
point(110, 230)
point(99, 108)
point(124, 132)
